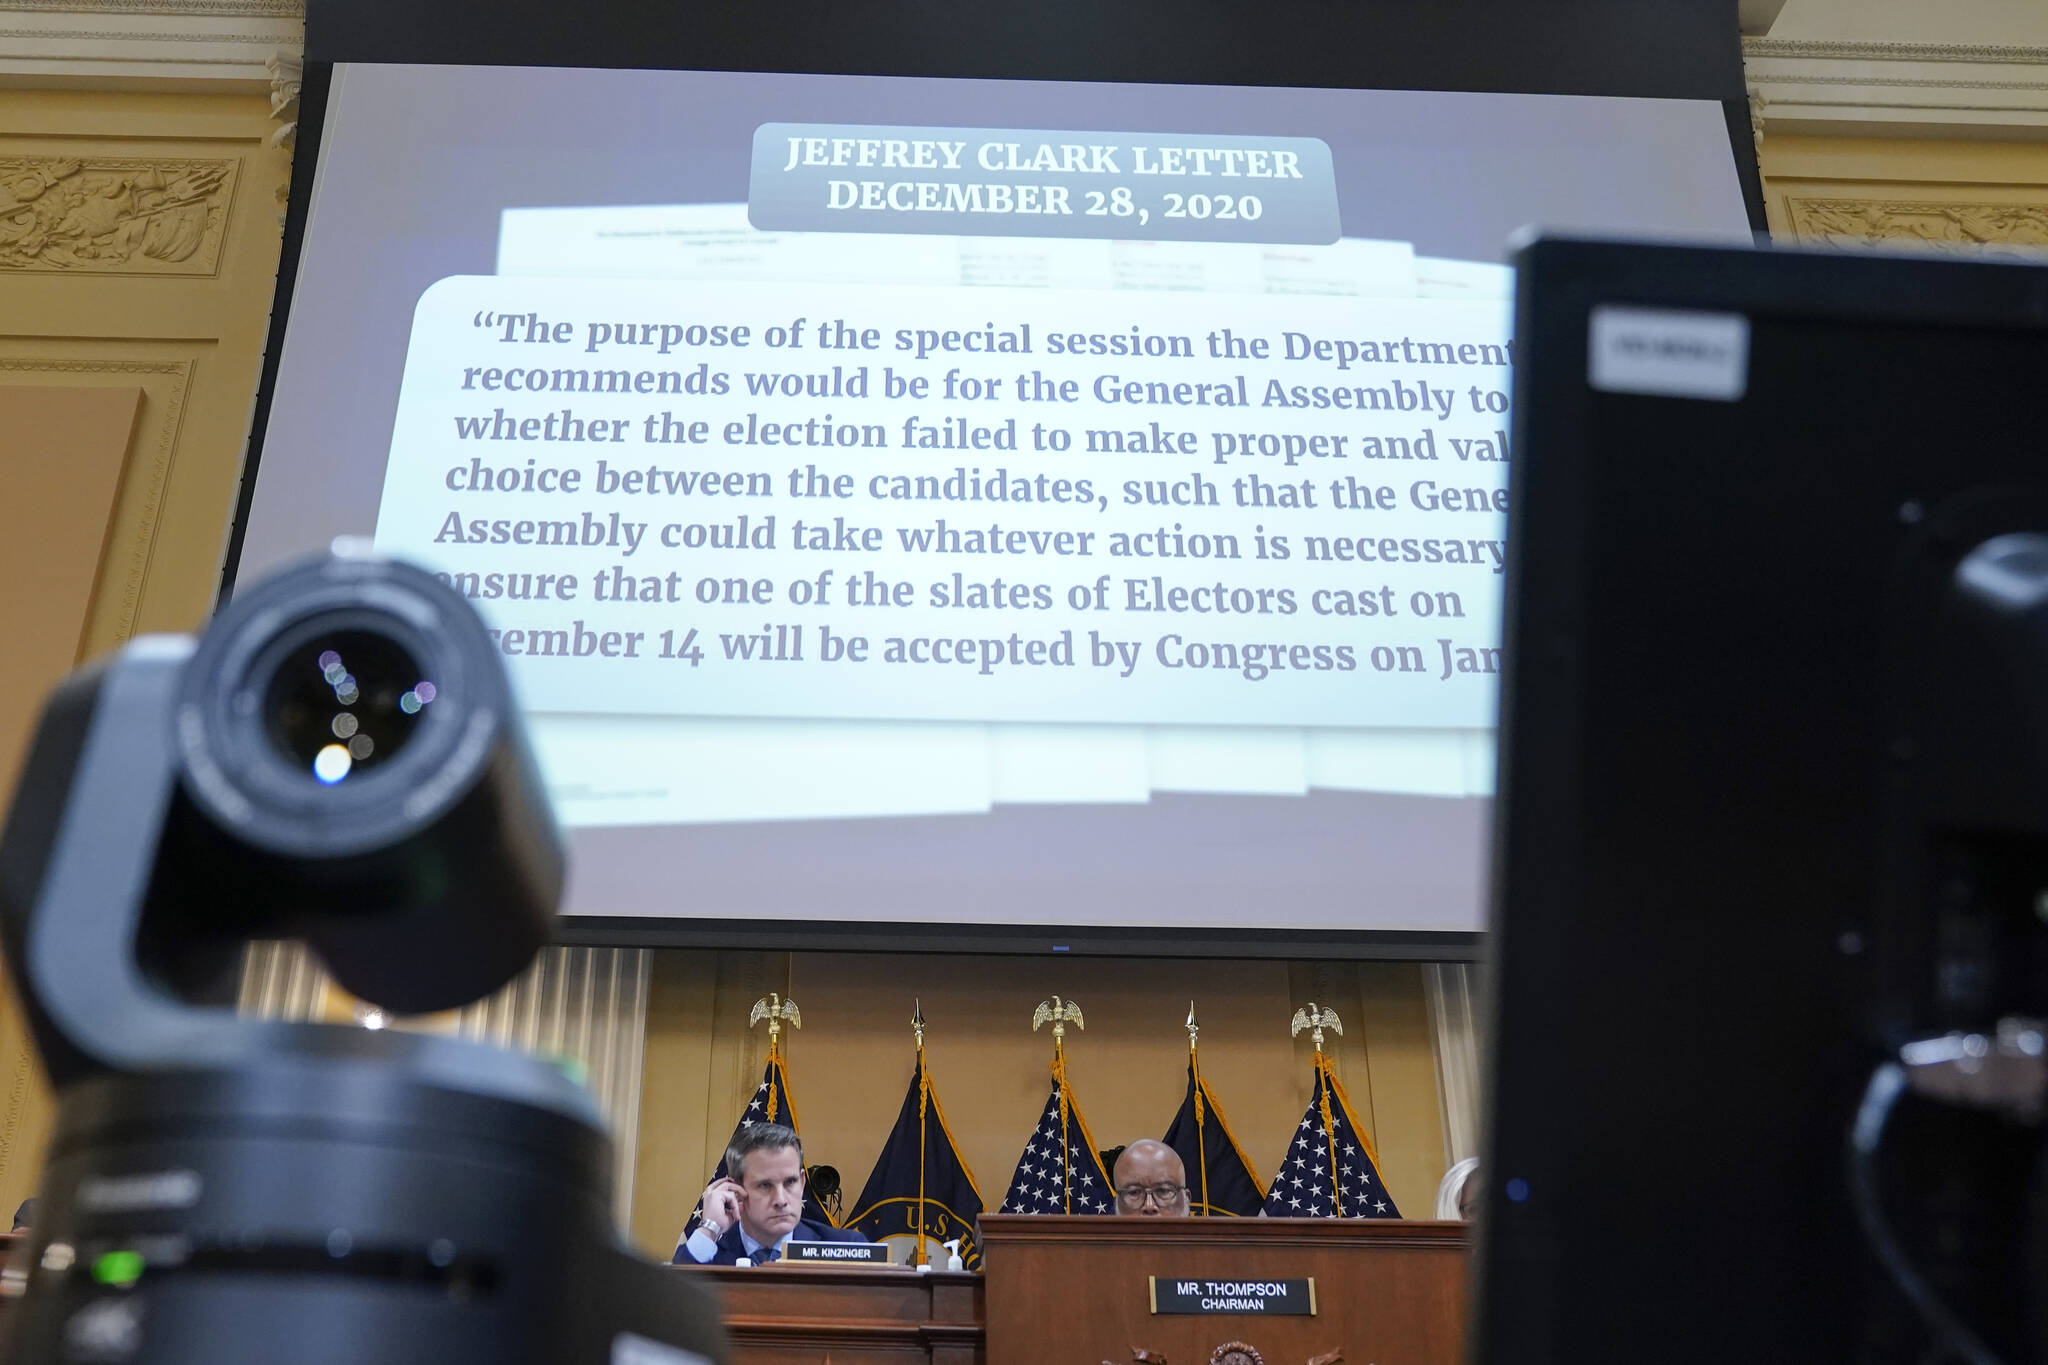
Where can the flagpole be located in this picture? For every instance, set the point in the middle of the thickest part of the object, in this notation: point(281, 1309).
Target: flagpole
point(1060, 1015)
point(1059, 1078)
point(1201, 1141)
point(1315, 1021)
point(1329, 1131)
point(923, 1093)
point(777, 1011)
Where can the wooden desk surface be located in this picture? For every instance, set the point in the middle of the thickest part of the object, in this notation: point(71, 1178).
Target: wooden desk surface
point(877, 1315)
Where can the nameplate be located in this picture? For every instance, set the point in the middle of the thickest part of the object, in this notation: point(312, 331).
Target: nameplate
point(1276, 1298)
point(859, 1253)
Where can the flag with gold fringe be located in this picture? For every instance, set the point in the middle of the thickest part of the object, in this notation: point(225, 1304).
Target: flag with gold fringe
point(1220, 1179)
point(1059, 1171)
point(921, 1186)
point(1331, 1169)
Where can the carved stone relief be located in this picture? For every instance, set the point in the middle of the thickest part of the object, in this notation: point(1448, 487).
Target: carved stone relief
point(2019, 228)
point(114, 215)
point(287, 75)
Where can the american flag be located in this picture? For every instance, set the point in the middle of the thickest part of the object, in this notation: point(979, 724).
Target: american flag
point(1329, 1166)
point(1059, 1174)
point(769, 1103)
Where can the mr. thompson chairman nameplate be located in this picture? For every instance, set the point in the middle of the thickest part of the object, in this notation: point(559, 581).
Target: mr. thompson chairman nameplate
point(1277, 1298)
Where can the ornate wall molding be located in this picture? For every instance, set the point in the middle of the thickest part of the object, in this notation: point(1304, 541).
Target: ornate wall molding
point(1812, 85)
point(112, 215)
point(95, 35)
point(69, 366)
point(1996, 228)
point(192, 44)
point(1913, 84)
point(268, 9)
point(287, 72)
point(1833, 50)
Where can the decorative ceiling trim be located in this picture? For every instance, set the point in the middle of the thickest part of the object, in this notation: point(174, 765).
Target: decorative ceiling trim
point(112, 46)
point(129, 36)
point(1898, 82)
point(1895, 109)
point(209, 9)
point(1886, 89)
point(1829, 49)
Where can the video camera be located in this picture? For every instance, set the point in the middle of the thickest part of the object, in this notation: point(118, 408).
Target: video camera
point(337, 759)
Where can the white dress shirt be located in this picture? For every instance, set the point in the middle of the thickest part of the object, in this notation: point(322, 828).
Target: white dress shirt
point(702, 1246)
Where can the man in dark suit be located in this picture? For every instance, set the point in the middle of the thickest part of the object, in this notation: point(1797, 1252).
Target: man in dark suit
point(757, 1208)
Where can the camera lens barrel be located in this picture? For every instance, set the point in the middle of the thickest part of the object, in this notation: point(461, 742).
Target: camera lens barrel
point(345, 702)
point(346, 729)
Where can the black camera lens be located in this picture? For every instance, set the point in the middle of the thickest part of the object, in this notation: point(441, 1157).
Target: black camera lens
point(345, 701)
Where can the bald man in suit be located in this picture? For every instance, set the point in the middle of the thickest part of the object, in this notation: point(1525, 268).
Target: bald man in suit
point(1151, 1181)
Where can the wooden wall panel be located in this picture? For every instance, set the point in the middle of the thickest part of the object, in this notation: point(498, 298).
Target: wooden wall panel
point(62, 454)
point(139, 239)
point(139, 236)
point(62, 450)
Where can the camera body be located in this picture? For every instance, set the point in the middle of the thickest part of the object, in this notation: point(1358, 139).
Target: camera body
point(338, 759)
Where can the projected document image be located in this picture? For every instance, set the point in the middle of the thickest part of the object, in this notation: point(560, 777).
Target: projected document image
point(875, 466)
point(912, 428)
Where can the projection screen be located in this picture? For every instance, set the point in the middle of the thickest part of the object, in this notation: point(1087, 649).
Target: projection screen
point(954, 503)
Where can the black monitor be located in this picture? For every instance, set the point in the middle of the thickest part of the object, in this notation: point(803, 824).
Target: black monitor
point(1771, 808)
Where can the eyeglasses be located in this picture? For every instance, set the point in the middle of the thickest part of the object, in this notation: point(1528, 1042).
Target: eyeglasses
point(1165, 1196)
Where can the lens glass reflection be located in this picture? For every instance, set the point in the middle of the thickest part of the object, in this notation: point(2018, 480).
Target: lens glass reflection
point(344, 703)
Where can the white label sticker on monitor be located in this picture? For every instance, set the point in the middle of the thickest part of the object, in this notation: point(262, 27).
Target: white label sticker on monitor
point(1668, 354)
point(628, 1349)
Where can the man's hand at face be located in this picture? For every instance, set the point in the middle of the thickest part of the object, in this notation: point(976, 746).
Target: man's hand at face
point(722, 1199)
